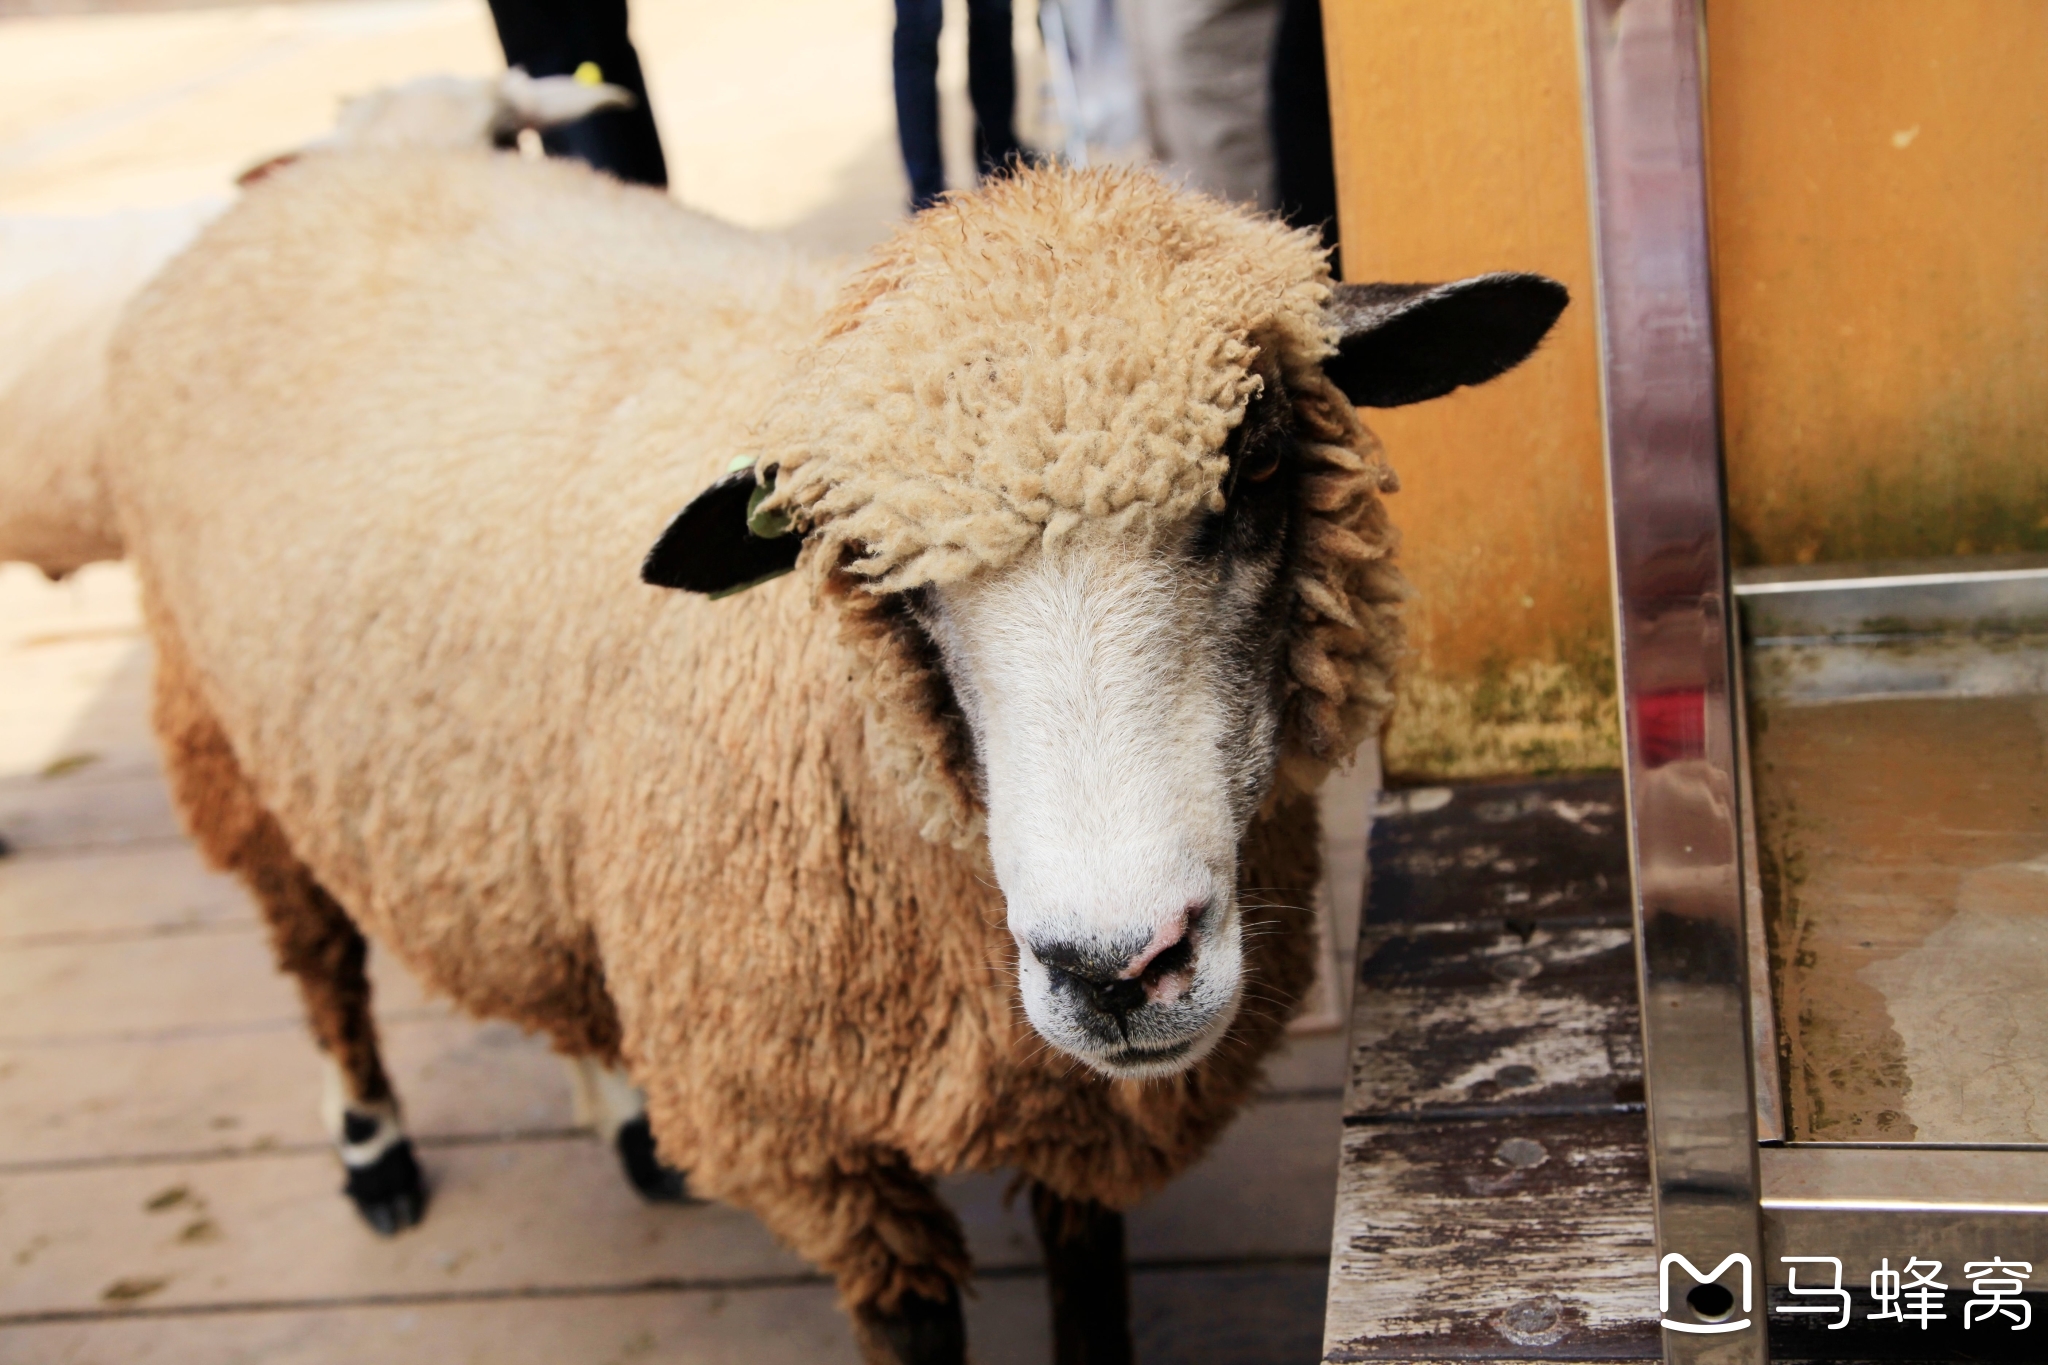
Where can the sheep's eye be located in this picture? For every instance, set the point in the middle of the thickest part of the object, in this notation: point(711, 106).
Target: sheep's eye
point(1263, 465)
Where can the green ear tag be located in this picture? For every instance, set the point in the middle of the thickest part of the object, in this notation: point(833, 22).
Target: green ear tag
point(762, 526)
point(766, 525)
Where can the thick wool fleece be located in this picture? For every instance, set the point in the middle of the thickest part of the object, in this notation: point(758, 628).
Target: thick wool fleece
point(390, 443)
point(63, 283)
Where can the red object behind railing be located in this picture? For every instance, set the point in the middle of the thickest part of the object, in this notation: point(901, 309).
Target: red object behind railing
point(1671, 725)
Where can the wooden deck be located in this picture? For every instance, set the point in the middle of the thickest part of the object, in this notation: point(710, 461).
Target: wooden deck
point(1493, 1202)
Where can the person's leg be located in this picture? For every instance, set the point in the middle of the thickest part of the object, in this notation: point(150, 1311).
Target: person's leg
point(1304, 170)
point(554, 38)
point(916, 64)
point(1202, 70)
point(992, 84)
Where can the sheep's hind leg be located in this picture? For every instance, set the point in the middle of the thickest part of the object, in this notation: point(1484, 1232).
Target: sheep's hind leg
point(610, 1104)
point(317, 943)
point(1086, 1278)
point(311, 936)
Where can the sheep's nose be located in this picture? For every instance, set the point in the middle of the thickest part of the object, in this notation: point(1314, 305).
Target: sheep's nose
point(1103, 990)
point(1117, 984)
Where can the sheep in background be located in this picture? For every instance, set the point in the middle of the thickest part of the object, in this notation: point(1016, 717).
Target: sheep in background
point(1095, 585)
point(65, 280)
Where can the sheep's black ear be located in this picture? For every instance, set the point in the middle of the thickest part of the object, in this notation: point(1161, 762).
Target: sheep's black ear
point(720, 544)
point(1404, 343)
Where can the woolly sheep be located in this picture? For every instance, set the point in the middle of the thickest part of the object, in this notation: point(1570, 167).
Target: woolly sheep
point(65, 280)
point(1094, 584)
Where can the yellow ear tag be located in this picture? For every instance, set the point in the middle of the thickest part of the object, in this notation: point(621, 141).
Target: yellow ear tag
point(589, 73)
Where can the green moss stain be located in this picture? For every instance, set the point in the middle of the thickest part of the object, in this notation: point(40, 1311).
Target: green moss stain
point(1512, 717)
point(1961, 504)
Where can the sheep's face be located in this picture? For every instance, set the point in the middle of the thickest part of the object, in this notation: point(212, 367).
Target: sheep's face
point(1102, 594)
point(1124, 702)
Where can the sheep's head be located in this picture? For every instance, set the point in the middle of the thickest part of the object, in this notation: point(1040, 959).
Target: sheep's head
point(1078, 460)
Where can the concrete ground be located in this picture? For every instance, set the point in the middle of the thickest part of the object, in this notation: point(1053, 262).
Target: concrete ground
point(165, 1194)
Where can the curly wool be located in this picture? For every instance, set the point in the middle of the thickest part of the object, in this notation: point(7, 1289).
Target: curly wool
point(1056, 360)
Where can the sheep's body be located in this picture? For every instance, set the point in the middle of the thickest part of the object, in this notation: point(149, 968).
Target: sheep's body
point(390, 552)
point(64, 282)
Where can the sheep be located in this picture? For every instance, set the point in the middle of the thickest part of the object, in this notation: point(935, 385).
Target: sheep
point(1092, 585)
point(64, 282)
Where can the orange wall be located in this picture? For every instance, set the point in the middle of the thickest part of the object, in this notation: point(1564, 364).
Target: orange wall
point(1879, 177)
point(1460, 149)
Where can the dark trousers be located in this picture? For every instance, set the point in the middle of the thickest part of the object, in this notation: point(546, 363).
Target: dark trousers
point(553, 38)
point(991, 85)
point(1304, 169)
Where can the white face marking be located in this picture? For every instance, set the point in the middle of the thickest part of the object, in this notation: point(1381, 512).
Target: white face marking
point(1124, 727)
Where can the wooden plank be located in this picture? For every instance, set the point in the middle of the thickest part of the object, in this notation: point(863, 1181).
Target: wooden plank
point(1493, 1199)
point(129, 892)
point(773, 1324)
point(276, 1230)
point(51, 814)
point(1517, 1238)
point(169, 985)
point(1452, 1020)
point(216, 1095)
point(1508, 852)
point(1217, 1316)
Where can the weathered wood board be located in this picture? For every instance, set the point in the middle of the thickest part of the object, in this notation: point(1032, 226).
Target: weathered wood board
point(1494, 1198)
point(1511, 1237)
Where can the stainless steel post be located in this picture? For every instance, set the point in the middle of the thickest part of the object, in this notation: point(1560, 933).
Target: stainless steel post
point(1646, 145)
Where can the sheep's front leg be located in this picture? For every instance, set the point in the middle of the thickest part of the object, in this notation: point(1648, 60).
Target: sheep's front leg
point(610, 1105)
point(896, 1250)
point(1085, 1277)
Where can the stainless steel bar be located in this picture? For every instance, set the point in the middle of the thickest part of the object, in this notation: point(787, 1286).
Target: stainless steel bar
point(1862, 1203)
point(1645, 145)
point(1763, 1007)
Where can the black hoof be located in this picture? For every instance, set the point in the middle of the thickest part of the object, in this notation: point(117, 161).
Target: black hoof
point(656, 1182)
point(389, 1192)
point(920, 1332)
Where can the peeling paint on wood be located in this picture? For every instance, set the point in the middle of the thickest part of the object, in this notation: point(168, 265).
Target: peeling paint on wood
point(1508, 852)
point(1496, 1239)
point(1494, 1200)
point(1462, 1019)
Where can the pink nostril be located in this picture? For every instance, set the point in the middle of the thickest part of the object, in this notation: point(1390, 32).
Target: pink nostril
point(1169, 936)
